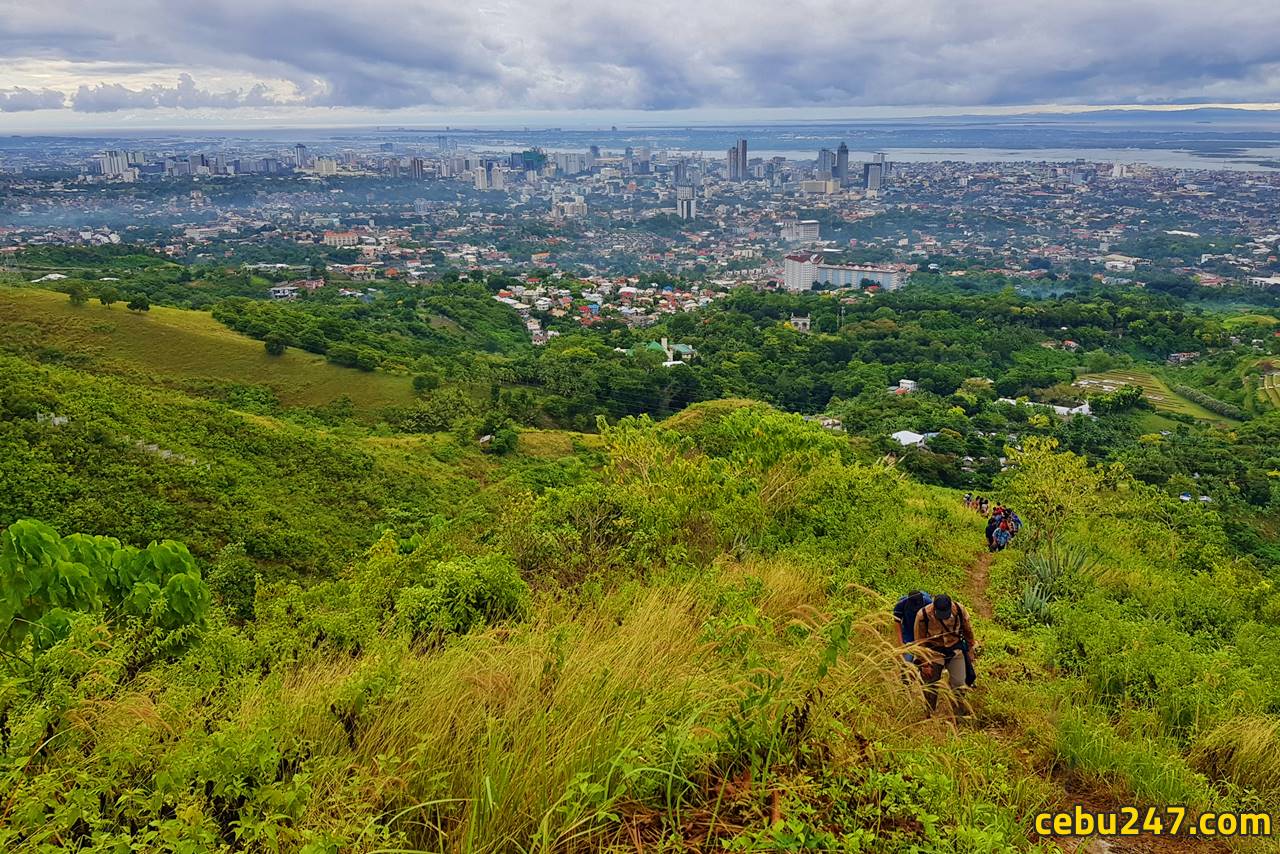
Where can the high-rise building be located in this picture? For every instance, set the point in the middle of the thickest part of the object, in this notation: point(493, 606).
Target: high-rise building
point(826, 163)
point(686, 202)
point(417, 168)
point(875, 172)
point(680, 171)
point(113, 163)
point(841, 173)
point(801, 270)
point(300, 156)
point(326, 166)
point(800, 231)
point(736, 162)
point(574, 207)
point(871, 176)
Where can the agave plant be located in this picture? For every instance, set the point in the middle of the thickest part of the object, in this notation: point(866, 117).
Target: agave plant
point(1035, 603)
point(1060, 571)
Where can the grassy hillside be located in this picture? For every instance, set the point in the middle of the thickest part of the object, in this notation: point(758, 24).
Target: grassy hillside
point(142, 464)
point(682, 644)
point(181, 347)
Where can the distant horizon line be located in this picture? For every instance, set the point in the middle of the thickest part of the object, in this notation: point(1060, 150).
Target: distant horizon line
point(604, 121)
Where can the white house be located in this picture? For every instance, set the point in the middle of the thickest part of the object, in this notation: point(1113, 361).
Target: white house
point(908, 438)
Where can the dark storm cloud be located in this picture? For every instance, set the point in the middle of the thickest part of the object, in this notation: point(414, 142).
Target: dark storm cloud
point(659, 55)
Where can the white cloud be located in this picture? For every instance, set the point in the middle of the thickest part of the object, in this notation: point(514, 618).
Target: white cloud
point(21, 99)
point(626, 55)
point(185, 94)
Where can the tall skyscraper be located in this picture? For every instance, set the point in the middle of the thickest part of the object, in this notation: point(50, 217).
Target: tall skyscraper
point(300, 156)
point(417, 169)
point(736, 161)
point(686, 202)
point(842, 164)
point(875, 172)
point(826, 163)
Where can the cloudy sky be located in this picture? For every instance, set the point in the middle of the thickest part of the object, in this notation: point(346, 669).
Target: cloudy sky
point(149, 63)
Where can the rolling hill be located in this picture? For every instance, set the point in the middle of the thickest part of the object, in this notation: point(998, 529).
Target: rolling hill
point(180, 348)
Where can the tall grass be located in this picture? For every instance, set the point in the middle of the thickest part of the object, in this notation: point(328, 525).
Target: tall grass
point(545, 737)
point(1245, 751)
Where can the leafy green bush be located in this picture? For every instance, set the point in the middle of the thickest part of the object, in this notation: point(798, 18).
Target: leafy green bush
point(47, 577)
point(453, 597)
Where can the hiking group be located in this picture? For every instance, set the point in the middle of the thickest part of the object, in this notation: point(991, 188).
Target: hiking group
point(938, 628)
point(943, 636)
point(1002, 523)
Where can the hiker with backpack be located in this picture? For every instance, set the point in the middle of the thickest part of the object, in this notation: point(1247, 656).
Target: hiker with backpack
point(946, 642)
point(1001, 536)
point(992, 524)
point(904, 618)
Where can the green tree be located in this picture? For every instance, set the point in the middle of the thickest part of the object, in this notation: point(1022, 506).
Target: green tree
point(426, 381)
point(108, 295)
point(140, 303)
point(77, 295)
point(276, 343)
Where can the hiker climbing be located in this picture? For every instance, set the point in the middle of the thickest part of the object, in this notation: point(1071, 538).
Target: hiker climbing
point(945, 638)
point(1002, 526)
point(904, 617)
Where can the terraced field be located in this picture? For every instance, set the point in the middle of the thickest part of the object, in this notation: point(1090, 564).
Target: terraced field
point(1154, 391)
point(1271, 389)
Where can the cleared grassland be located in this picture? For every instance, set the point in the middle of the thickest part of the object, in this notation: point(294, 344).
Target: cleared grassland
point(1154, 391)
point(170, 343)
point(1235, 321)
point(1271, 389)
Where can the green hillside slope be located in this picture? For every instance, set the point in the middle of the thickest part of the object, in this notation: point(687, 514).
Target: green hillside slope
point(180, 347)
point(682, 644)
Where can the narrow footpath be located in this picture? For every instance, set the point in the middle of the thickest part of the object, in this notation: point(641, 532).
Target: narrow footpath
point(978, 598)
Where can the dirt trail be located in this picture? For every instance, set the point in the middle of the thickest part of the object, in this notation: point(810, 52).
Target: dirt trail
point(978, 598)
point(979, 580)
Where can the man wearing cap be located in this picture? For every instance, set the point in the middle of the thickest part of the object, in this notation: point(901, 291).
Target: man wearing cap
point(943, 632)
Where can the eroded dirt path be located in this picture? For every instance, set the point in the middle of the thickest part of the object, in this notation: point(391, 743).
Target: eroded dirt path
point(979, 580)
point(978, 598)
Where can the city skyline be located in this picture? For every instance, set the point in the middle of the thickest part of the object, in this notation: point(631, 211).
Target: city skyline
point(224, 62)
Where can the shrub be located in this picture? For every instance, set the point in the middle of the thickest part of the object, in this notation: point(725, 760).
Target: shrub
point(276, 343)
point(1211, 403)
point(455, 596)
point(46, 578)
